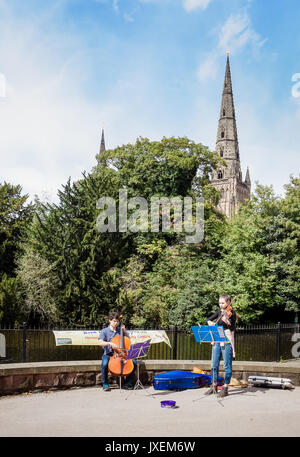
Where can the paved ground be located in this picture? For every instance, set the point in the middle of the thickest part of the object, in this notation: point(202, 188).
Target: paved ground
point(90, 412)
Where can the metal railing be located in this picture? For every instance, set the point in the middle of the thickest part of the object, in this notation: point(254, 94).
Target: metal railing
point(265, 343)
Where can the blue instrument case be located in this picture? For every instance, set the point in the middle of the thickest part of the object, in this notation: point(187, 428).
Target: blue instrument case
point(177, 380)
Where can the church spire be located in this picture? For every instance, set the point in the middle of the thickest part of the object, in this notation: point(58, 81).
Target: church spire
point(228, 178)
point(227, 138)
point(102, 145)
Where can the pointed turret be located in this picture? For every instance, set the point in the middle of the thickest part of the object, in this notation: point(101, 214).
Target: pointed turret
point(247, 178)
point(102, 145)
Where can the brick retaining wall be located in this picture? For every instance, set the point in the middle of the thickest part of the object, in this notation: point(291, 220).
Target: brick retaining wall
point(39, 376)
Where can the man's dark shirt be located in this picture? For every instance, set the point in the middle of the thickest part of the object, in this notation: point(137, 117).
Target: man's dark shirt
point(107, 335)
point(232, 319)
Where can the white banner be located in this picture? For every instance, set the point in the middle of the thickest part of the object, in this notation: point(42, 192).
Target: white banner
point(91, 337)
point(156, 336)
point(77, 337)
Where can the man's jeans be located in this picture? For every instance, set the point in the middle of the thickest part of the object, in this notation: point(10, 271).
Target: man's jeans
point(104, 369)
point(226, 352)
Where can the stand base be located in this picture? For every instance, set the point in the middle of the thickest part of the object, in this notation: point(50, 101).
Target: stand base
point(215, 392)
point(138, 383)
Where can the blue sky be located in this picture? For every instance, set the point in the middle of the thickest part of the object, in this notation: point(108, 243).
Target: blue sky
point(151, 68)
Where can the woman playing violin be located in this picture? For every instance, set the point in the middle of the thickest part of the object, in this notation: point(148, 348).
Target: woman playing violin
point(225, 317)
point(105, 340)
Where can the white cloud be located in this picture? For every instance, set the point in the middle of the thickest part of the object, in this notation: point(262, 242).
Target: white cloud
point(116, 5)
point(237, 32)
point(128, 17)
point(49, 129)
point(191, 5)
point(57, 102)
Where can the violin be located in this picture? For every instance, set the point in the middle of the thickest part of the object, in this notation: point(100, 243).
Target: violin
point(226, 314)
point(118, 365)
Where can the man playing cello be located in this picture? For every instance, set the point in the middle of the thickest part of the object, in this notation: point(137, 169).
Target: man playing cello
point(105, 341)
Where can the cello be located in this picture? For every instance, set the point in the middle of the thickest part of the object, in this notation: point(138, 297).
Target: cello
point(118, 365)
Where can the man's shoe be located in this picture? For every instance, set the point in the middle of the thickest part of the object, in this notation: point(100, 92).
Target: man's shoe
point(223, 392)
point(211, 390)
point(128, 386)
point(106, 388)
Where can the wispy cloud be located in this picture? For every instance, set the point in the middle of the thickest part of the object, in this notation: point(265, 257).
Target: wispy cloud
point(233, 36)
point(191, 5)
point(237, 32)
point(48, 127)
point(116, 5)
point(128, 17)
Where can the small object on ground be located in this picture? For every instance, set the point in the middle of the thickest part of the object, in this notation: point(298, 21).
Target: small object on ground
point(268, 381)
point(238, 383)
point(198, 370)
point(168, 404)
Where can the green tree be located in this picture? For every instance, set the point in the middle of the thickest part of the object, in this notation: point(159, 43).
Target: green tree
point(14, 216)
point(65, 234)
point(11, 311)
point(40, 286)
point(177, 291)
point(260, 261)
point(287, 255)
point(169, 167)
point(92, 267)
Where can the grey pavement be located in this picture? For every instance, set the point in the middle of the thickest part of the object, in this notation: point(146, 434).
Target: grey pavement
point(90, 412)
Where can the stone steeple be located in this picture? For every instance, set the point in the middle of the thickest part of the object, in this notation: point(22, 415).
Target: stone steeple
point(228, 179)
point(102, 145)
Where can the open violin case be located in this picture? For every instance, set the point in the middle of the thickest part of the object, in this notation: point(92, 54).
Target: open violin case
point(177, 380)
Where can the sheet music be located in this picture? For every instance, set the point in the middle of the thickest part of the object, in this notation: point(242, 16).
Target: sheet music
point(221, 332)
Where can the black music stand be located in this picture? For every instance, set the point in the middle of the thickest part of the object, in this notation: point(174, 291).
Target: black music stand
point(137, 351)
point(210, 334)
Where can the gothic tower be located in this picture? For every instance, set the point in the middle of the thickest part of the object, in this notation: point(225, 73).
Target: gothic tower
point(228, 180)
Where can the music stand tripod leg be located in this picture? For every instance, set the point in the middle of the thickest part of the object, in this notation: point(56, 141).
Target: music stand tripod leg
point(138, 383)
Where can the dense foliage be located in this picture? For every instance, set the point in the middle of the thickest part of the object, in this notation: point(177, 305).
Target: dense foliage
point(57, 267)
